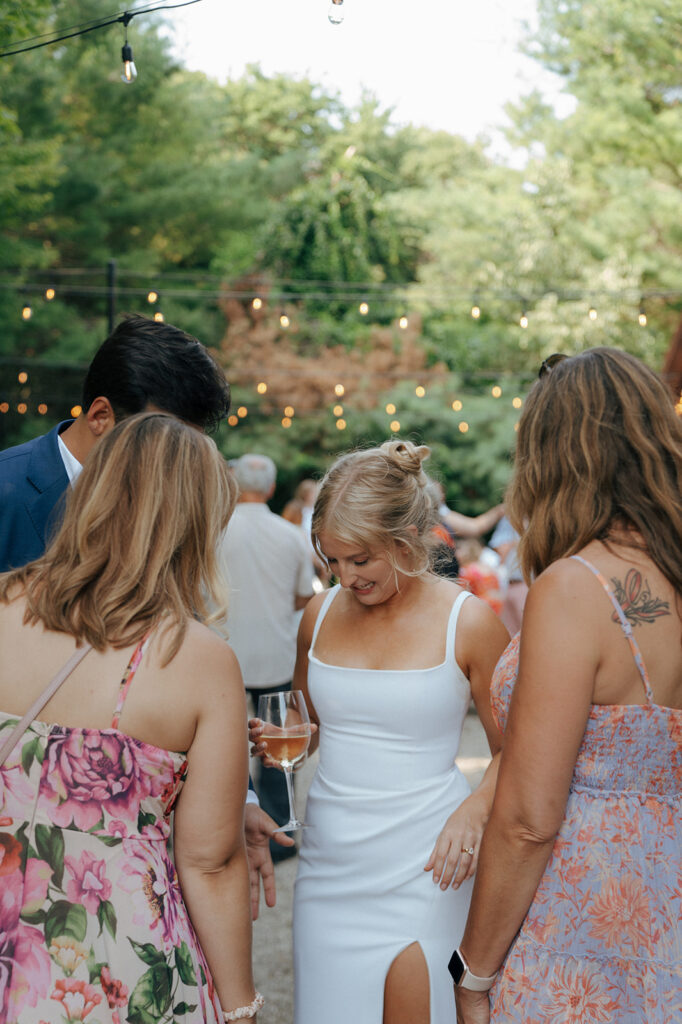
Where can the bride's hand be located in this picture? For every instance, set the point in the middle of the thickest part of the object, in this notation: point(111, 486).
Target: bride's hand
point(455, 855)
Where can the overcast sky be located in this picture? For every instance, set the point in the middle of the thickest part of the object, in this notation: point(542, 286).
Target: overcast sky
point(442, 63)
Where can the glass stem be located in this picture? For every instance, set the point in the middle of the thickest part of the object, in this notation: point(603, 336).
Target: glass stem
point(289, 776)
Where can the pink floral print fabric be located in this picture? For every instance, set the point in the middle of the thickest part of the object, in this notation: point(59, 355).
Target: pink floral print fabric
point(602, 940)
point(93, 926)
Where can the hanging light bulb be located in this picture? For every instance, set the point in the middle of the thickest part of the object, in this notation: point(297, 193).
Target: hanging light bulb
point(642, 317)
point(363, 308)
point(26, 312)
point(284, 320)
point(475, 311)
point(336, 12)
point(523, 321)
point(129, 73)
point(592, 313)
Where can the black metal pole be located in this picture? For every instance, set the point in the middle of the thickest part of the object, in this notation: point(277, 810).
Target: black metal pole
point(111, 293)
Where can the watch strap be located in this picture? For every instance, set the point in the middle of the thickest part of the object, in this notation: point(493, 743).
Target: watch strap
point(464, 978)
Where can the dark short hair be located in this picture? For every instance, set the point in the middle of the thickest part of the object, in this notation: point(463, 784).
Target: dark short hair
point(147, 363)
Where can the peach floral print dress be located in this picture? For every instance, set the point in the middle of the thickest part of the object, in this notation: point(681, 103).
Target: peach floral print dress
point(602, 940)
point(93, 926)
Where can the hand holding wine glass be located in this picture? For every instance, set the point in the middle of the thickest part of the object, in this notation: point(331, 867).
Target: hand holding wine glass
point(282, 736)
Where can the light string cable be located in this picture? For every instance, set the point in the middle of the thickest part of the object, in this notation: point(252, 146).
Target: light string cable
point(90, 26)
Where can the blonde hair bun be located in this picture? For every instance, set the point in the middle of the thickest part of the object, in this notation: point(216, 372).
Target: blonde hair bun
point(407, 456)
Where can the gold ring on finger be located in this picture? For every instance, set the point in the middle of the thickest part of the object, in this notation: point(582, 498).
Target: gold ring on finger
point(469, 850)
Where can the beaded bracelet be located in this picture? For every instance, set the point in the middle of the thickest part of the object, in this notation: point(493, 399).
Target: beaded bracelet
point(245, 1012)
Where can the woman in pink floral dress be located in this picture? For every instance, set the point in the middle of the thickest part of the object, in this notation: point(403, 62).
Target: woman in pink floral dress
point(98, 922)
point(576, 916)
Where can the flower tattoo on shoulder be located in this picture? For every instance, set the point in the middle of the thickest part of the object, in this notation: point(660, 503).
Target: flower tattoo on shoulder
point(635, 598)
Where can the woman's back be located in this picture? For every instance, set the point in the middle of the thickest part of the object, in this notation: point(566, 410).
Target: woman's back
point(161, 708)
point(92, 907)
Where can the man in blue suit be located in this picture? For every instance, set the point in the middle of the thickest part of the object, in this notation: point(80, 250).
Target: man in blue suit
point(142, 365)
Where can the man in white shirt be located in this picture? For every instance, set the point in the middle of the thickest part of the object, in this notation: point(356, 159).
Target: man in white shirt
point(268, 570)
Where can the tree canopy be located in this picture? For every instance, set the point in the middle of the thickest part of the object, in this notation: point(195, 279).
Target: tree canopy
point(339, 223)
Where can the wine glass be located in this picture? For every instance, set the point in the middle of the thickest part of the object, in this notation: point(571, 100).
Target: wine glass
point(287, 735)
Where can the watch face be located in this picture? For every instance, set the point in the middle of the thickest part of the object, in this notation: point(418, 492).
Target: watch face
point(456, 967)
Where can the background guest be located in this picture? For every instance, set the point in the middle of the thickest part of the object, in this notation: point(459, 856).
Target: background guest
point(266, 565)
point(505, 541)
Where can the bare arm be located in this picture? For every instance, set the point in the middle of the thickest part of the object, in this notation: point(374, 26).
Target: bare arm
point(474, 526)
point(549, 711)
point(481, 638)
point(209, 835)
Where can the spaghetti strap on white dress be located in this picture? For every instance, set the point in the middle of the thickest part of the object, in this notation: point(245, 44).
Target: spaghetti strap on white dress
point(385, 785)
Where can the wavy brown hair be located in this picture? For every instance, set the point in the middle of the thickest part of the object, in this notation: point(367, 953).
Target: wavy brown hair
point(599, 457)
point(378, 497)
point(137, 546)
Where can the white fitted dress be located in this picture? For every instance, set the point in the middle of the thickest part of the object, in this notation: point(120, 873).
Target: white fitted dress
point(385, 785)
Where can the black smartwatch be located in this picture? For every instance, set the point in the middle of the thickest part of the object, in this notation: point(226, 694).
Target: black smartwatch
point(463, 978)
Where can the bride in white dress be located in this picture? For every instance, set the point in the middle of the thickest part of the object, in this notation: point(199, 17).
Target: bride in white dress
point(388, 661)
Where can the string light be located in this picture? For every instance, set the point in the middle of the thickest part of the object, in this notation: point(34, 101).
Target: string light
point(284, 320)
point(21, 408)
point(339, 390)
point(338, 410)
point(152, 297)
point(420, 391)
point(286, 422)
point(517, 402)
point(642, 317)
point(363, 308)
point(76, 411)
point(129, 73)
point(496, 391)
point(390, 408)
point(49, 294)
point(233, 420)
point(26, 312)
point(463, 427)
point(403, 322)
point(336, 12)
point(475, 311)
point(289, 411)
point(22, 377)
point(592, 313)
point(395, 426)
point(4, 406)
point(42, 408)
point(261, 387)
point(523, 320)
point(456, 405)
point(242, 411)
point(340, 424)
point(516, 425)
point(257, 303)
point(158, 316)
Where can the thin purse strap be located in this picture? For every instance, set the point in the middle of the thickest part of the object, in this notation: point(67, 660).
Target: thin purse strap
point(38, 705)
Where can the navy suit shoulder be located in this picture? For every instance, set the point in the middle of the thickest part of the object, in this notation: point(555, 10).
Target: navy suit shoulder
point(32, 481)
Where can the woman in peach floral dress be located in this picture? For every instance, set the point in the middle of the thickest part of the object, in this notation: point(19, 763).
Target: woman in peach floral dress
point(576, 915)
point(99, 920)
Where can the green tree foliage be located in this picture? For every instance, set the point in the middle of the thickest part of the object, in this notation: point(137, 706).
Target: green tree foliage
point(270, 184)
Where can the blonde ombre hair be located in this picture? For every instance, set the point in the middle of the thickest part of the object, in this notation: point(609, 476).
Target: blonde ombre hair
point(137, 546)
point(378, 498)
point(598, 457)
